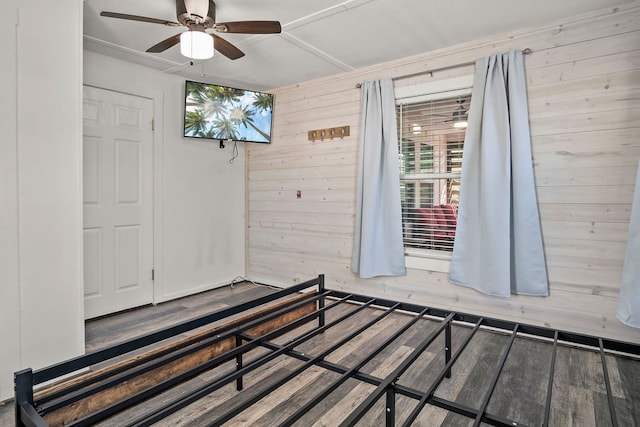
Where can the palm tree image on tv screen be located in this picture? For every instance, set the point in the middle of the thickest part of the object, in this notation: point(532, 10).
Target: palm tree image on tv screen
point(219, 112)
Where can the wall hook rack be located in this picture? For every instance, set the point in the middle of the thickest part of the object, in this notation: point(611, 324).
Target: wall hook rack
point(328, 133)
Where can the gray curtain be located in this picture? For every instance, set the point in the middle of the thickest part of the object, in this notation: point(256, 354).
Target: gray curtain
point(498, 244)
point(629, 301)
point(378, 248)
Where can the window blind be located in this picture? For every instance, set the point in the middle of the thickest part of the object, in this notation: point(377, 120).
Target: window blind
point(430, 154)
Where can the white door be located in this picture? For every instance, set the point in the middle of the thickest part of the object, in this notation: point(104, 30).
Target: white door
point(118, 203)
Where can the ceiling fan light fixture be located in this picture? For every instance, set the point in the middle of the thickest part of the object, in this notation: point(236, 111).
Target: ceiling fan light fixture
point(196, 45)
point(460, 123)
point(460, 115)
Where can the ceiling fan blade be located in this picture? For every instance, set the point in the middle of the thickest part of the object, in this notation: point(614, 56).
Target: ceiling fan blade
point(249, 27)
point(226, 48)
point(139, 18)
point(165, 44)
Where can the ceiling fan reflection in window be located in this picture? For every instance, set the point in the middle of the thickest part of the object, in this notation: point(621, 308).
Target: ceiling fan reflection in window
point(198, 16)
point(459, 115)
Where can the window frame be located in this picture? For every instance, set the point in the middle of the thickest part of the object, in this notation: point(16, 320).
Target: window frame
point(418, 258)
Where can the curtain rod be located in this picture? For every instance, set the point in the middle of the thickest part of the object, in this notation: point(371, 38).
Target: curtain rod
point(525, 51)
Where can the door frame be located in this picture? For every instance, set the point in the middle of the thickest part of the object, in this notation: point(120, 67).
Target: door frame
point(157, 141)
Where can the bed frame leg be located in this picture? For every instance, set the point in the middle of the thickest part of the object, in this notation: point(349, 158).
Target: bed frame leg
point(447, 348)
point(23, 381)
point(321, 289)
point(239, 365)
point(390, 411)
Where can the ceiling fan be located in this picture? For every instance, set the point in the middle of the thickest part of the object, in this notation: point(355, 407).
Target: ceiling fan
point(460, 115)
point(199, 16)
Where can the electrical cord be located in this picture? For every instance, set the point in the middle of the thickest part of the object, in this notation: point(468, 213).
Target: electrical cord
point(234, 152)
point(241, 279)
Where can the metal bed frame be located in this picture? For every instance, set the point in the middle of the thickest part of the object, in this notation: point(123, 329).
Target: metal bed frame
point(33, 411)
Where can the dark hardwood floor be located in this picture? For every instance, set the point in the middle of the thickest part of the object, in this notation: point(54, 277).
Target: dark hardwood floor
point(105, 331)
point(579, 395)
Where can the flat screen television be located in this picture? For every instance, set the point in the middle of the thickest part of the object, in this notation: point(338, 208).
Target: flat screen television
point(226, 113)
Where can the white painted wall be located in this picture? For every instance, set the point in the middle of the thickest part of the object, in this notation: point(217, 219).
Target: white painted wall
point(40, 185)
point(199, 205)
point(199, 195)
point(9, 273)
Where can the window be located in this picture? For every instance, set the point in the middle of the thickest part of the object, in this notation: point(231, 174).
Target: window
point(430, 154)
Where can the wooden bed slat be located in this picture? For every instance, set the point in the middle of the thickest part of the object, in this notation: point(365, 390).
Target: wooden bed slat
point(105, 398)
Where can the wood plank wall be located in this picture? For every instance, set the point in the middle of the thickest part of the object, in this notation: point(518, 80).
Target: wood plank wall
point(584, 86)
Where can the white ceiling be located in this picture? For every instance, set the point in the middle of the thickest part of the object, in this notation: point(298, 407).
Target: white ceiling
point(319, 37)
